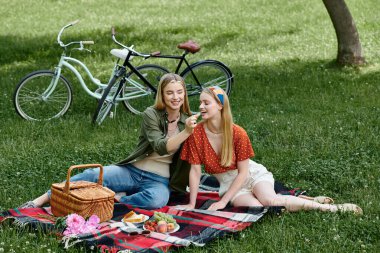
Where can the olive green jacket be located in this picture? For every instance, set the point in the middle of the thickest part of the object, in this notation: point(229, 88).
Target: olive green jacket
point(152, 138)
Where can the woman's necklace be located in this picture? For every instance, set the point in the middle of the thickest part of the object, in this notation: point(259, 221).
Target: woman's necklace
point(212, 132)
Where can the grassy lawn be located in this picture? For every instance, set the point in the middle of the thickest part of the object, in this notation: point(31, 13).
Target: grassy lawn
point(314, 125)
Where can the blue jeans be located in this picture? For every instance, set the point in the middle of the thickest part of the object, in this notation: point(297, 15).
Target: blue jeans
point(144, 189)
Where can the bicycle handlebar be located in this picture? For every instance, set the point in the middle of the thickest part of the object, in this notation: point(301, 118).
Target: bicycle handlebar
point(88, 42)
point(81, 43)
point(74, 22)
point(134, 52)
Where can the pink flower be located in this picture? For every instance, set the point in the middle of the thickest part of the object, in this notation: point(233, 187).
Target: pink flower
point(72, 231)
point(67, 231)
point(74, 220)
point(77, 225)
point(93, 221)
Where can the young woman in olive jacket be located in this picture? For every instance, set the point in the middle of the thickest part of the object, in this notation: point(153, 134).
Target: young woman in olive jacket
point(145, 177)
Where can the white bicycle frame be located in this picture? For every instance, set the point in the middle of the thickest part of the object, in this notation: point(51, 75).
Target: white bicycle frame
point(132, 92)
point(65, 62)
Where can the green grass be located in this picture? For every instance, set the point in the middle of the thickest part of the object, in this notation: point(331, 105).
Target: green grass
point(312, 124)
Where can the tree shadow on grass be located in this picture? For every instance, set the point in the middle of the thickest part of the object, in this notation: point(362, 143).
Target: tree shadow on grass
point(283, 83)
point(22, 55)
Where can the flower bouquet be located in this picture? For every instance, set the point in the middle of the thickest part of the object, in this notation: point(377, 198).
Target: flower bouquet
point(74, 224)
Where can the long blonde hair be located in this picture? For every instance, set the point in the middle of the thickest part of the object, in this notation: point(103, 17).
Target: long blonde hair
point(227, 123)
point(165, 80)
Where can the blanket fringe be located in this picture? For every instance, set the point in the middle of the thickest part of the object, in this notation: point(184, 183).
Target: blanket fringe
point(18, 223)
point(68, 241)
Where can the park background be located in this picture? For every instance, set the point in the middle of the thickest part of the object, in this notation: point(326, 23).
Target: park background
point(313, 124)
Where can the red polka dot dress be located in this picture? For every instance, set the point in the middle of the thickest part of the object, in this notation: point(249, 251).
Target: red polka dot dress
point(198, 150)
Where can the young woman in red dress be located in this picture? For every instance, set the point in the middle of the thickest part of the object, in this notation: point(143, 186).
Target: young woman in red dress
point(225, 150)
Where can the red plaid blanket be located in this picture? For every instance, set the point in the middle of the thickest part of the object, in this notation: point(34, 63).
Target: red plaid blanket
point(197, 226)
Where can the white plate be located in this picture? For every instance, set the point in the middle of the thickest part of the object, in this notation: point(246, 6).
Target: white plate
point(177, 227)
point(145, 218)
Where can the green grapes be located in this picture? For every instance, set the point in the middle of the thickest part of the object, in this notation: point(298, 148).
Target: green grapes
point(158, 216)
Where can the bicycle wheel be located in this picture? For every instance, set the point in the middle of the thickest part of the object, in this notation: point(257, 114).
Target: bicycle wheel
point(144, 95)
point(108, 99)
point(204, 74)
point(30, 97)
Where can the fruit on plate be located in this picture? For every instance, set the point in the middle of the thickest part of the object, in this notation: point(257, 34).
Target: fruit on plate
point(158, 216)
point(170, 227)
point(161, 222)
point(150, 225)
point(162, 226)
point(133, 217)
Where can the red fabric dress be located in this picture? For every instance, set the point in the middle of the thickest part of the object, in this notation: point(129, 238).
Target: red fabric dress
point(198, 150)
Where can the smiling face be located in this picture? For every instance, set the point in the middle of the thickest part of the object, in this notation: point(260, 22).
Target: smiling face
point(173, 95)
point(209, 107)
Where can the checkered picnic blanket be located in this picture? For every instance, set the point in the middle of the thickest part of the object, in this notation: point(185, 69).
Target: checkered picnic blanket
point(197, 226)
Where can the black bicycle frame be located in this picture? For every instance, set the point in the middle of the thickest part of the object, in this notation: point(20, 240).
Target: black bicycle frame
point(181, 59)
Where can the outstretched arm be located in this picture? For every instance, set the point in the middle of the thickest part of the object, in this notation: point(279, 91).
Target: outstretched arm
point(195, 175)
point(175, 141)
point(236, 185)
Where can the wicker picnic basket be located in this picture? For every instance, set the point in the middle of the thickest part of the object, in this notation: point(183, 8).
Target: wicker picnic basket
point(82, 197)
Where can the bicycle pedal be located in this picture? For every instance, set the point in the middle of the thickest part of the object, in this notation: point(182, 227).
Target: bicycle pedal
point(111, 115)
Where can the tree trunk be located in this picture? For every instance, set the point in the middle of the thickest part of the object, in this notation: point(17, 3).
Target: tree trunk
point(349, 47)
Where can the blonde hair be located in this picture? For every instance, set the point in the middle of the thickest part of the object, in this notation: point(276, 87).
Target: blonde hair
point(227, 123)
point(164, 81)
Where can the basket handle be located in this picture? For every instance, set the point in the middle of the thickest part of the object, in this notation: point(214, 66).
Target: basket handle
point(83, 166)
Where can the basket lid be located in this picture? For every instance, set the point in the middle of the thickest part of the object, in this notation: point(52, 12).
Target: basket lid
point(84, 190)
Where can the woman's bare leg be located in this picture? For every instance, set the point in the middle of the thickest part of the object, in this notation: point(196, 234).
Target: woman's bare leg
point(246, 200)
point(265, 193)
point(41, 200)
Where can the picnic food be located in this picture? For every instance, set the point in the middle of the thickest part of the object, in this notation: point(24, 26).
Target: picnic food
point(158, 216)
point(150, 225)
point(162, 226)
point(133, 217)
point(171, 227)
point(161, 223)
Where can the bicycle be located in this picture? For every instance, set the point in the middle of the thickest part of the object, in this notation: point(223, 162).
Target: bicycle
point(46, 94)
point(144, 79)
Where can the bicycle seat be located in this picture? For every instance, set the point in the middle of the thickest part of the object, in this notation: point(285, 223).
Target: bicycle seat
point(121, 53)
point(190, 46)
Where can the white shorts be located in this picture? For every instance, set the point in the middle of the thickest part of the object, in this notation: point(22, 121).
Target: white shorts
point(257, 173)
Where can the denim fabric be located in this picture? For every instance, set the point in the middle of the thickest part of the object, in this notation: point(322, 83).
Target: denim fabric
point(144, 189)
